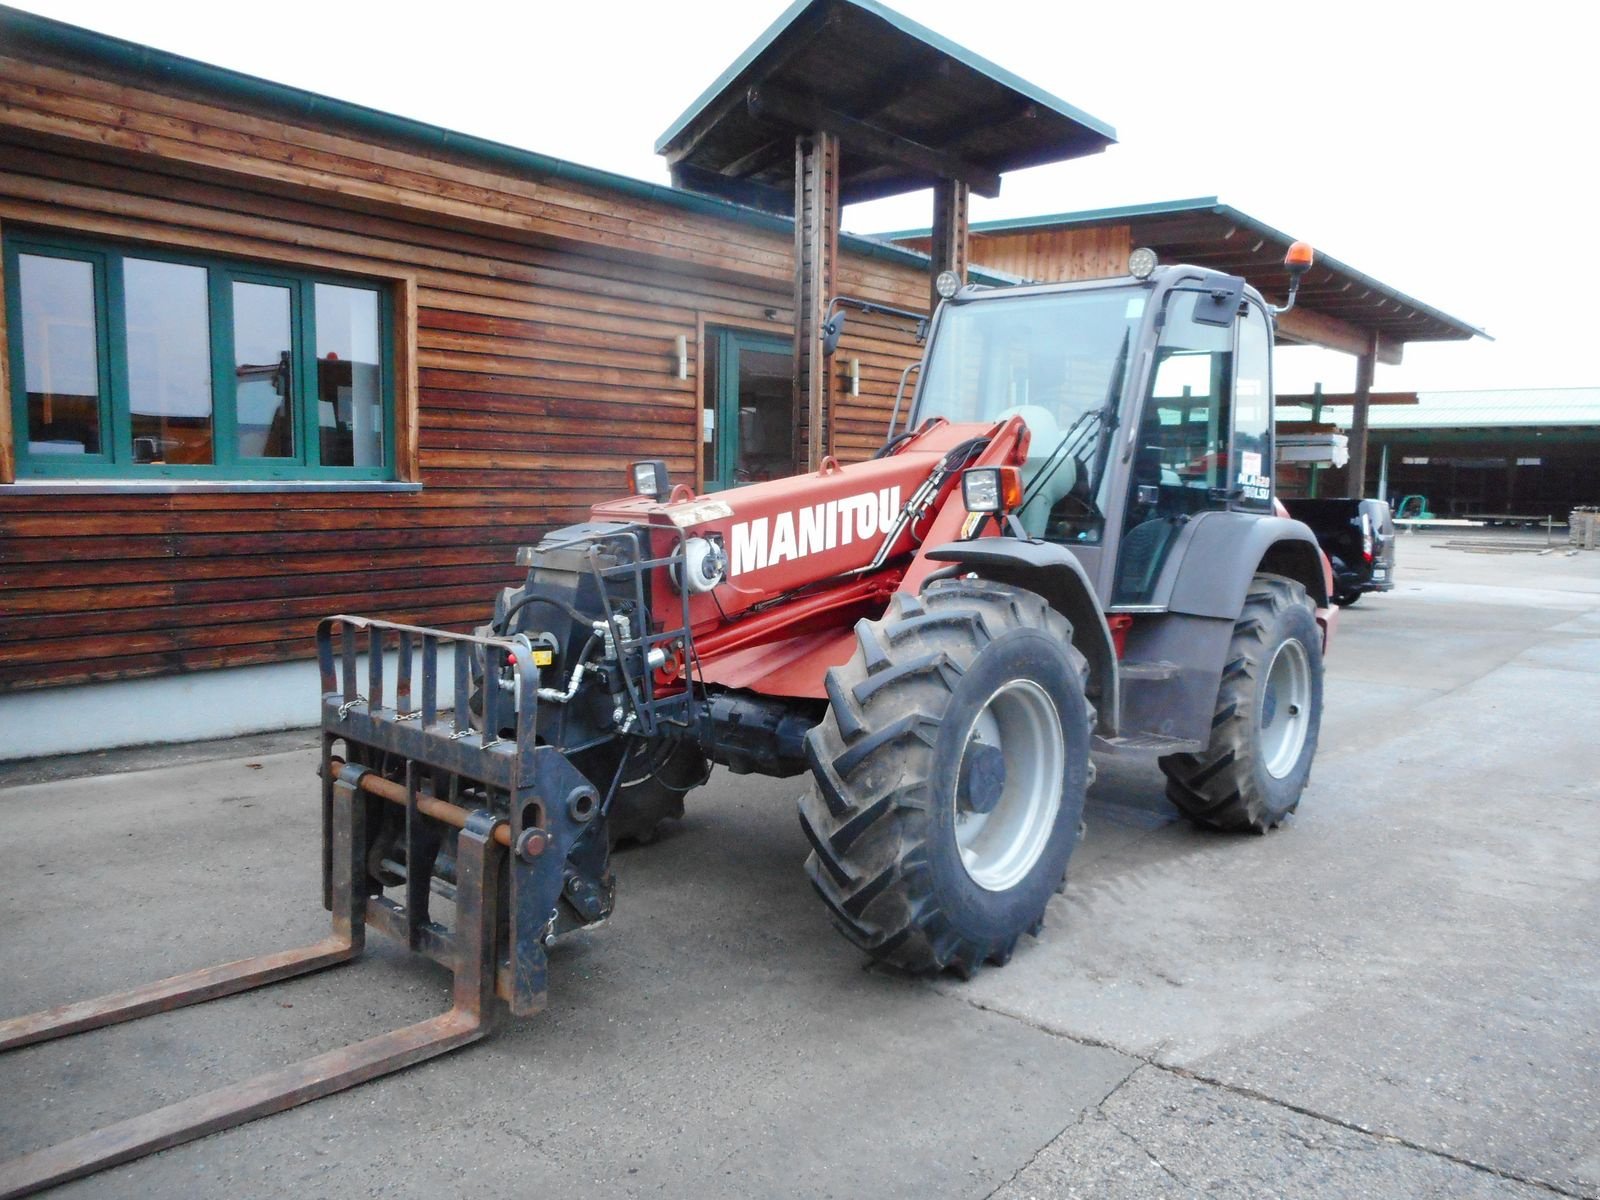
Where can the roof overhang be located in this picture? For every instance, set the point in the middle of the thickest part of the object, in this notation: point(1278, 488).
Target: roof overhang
point(910, 108)
point(1338, 306)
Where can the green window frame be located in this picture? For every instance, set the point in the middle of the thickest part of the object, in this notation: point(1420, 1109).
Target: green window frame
point(116, 458)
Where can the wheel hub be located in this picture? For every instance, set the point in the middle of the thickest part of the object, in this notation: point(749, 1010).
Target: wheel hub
point(1285, 708)
point(1008, 791)
point(983, 778)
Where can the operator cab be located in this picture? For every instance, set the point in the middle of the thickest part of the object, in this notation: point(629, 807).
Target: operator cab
point(1148, 399)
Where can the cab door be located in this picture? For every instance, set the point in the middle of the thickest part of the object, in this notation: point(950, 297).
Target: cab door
point(1204, 438)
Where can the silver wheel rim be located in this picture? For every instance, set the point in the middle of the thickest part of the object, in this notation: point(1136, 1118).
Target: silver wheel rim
point(1285, 716)
point(1000, 847)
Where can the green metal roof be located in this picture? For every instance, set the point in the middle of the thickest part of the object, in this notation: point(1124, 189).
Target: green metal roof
point(1499, 408)
point(20, 31)
point(1188, 219)
point(905, 25)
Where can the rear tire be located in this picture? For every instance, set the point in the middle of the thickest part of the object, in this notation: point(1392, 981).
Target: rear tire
point(1346, 599)
point(1269, 711)
point(949, 776)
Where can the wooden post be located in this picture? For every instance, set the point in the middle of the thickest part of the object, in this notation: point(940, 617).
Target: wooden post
point(948, 247)
point(1356, 473)
point(8, 436)
point(1316, 419)
point(816, 249)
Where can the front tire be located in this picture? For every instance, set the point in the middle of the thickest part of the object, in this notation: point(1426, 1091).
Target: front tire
point(949, 776)
point(1269, 712)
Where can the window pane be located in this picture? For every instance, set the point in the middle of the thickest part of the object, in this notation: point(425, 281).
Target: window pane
point(766, 422)
point(1252, 411)
point(169, 361)
point(349, 377)
point(60, 360)
point(263, 372)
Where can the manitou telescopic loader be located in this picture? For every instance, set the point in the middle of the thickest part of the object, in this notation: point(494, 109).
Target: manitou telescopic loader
point(1075, 544)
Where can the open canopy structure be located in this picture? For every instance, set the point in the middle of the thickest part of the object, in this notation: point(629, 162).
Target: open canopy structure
point(910, 108)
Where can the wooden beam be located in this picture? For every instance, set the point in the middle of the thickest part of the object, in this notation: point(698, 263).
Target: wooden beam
point(805, 113)
point(948, 249)
point(1309, 327)
point(8, 459)
point(1345, 399)
point(407, 391)
point(816, 254)
point(1356, 470)
point(1012, 110)
point(763, 156)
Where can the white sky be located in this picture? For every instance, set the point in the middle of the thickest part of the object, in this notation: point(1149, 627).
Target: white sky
point(1445, 149)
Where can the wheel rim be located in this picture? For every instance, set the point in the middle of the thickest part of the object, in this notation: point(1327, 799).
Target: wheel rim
point(1285, 708)
point(999, 847)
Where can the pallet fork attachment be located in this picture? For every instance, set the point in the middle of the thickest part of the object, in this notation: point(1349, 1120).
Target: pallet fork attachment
point(488, 954)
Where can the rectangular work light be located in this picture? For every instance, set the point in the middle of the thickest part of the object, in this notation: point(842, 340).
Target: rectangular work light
point(991, 489)
point(650, 479)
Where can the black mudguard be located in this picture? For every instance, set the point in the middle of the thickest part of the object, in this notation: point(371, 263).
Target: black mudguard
point(1222, 552)
point(1054, 573)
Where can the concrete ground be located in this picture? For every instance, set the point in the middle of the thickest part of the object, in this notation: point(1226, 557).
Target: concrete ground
point(1396, 994)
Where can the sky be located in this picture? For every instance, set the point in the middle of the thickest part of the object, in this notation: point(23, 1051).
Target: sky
point(1445, 149)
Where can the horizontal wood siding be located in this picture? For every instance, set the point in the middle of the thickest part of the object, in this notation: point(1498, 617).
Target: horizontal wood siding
point(1049, 255)
point(545, 359)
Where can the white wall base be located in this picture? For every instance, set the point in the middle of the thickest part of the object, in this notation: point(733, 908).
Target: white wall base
point(174, 708)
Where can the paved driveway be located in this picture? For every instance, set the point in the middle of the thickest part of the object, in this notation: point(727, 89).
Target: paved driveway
point(1397, 994)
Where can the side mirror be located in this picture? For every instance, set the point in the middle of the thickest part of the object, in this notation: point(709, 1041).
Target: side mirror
point(832, 331)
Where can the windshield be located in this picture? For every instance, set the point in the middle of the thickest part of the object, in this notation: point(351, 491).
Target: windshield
point(1059, 361)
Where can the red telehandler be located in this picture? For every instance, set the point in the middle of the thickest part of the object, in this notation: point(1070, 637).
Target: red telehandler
point(1075, 545)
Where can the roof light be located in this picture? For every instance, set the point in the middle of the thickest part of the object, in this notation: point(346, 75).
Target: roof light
point(1142, 262)
point(947, 284)
point(1297, 261)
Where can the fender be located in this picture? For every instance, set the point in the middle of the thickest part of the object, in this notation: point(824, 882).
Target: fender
point(1055, 573)
point(1225, 550)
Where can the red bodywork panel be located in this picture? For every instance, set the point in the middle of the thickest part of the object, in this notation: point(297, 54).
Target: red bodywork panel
point(824, 528)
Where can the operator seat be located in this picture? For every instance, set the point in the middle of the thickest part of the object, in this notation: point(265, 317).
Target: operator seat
point(1046, 433)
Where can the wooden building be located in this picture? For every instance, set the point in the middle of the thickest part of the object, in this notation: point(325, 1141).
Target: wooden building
point(272, 356)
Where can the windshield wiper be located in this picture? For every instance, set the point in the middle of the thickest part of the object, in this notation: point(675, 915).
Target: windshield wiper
point(1078, 432)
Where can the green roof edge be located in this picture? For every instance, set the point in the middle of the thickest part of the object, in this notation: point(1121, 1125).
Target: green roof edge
point(1091, 216)
point(18, 27)
point(905, 25)
point(1083, 217)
